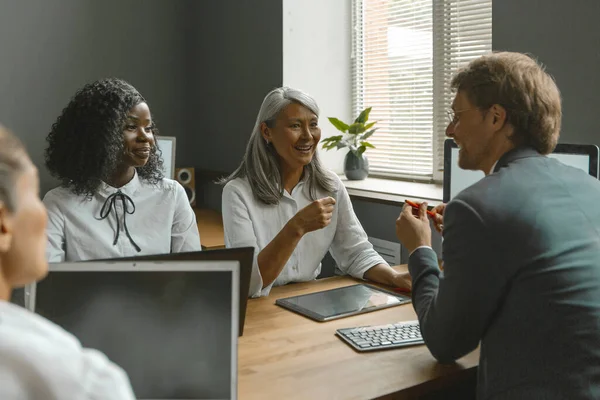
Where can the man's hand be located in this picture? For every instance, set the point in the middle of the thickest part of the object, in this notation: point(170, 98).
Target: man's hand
point(438, 220)
point(413, 230)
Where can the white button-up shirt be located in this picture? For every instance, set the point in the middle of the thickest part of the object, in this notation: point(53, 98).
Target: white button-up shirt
point(163, 222)
point(40, 360)
point(249, 222)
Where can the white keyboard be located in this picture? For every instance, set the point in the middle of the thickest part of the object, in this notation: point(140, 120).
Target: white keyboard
point(380, 337)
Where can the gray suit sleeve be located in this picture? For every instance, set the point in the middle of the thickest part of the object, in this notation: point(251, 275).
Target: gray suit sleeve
point(454, 307)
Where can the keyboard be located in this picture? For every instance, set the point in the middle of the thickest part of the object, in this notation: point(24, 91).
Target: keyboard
point(380, 337)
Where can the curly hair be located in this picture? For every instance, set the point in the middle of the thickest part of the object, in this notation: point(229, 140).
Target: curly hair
point(86, 143)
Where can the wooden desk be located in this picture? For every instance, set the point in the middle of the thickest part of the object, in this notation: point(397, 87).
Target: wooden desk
point(284, 355)
point(210, 226)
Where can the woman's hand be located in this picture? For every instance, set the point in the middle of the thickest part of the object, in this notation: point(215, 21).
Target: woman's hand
point(316, 215)
point(403, 281)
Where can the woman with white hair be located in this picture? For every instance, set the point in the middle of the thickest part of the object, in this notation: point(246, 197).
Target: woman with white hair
point(282, 202)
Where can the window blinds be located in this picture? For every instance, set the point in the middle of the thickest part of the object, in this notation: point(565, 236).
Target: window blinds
point(405, 53)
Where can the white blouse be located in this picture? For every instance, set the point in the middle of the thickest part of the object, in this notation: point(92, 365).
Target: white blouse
point(40, 360)
point(249, 222)
point(158, 219)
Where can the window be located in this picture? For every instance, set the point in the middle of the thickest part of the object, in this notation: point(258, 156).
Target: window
point(404, 54)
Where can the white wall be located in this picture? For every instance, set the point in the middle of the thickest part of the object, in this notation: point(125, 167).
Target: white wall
point(316, 59)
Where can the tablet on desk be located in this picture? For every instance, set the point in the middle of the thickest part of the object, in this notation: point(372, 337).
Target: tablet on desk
point(342, 302)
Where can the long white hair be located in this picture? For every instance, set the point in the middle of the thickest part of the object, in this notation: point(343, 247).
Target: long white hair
point(261, 165)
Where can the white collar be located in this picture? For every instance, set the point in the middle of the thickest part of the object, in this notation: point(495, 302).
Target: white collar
point(493, 168)
point(130, 188)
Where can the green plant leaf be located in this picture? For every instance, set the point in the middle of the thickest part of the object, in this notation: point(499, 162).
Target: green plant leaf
point(367, 144)
point(340, 126)
point(330, 145)
point(361, 150)
point(331, 142)
point(368, 126)
point(356, 128)
point(368, 134)
point(364, 116)
point(341, 145)
point(332, 139)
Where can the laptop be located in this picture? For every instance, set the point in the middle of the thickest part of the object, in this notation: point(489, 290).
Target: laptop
point(244, 255)
point(456, 179)
point(172, 326)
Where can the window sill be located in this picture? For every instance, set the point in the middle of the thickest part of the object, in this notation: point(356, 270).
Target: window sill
point(394, 192)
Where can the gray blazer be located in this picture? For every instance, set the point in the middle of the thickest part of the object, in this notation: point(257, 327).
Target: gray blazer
point(521, 275)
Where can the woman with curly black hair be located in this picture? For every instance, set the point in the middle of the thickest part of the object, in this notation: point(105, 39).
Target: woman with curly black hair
point(113, 200)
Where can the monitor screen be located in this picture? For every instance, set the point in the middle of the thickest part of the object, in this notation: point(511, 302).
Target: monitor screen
point(167, 146)
point(456, 179)
point(173, 331)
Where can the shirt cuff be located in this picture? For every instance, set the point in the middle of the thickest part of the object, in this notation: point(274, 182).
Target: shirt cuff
point(420, 247)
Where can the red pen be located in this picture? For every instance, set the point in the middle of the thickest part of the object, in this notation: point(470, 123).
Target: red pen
point(416, 206)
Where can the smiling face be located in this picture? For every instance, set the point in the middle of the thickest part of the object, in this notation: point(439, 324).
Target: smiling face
point(295, 134)
point(138, 136)
point(471, 133)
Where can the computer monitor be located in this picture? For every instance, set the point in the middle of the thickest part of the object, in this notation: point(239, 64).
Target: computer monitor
point(172, 326)
point(167, 144)
point(244, 255)
point(456, 179)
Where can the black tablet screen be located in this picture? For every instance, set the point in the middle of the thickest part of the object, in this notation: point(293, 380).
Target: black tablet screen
point(347, 300)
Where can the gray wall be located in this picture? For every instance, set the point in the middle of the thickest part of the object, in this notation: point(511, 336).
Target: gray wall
point(49, 49)
point(565, 36)
point(237, 58)
point(204, 70)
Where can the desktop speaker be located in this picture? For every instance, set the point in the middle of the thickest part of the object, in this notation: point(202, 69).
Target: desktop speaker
point(185, 176)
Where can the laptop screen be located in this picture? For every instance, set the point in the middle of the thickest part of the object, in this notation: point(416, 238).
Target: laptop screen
point(173, 332)
point(456, 179)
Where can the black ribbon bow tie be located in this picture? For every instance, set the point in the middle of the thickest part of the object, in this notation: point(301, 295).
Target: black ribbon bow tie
point(111, 203)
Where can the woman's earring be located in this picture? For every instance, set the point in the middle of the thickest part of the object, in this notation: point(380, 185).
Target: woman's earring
point(267, 140)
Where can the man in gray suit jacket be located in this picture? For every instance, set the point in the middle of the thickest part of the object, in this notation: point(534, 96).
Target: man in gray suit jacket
point(521, 247)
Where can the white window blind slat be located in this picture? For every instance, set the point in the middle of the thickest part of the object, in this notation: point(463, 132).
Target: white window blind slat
point(466, 33)
point(404, 55)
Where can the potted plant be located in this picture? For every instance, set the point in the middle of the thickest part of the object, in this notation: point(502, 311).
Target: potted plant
point(354, 136)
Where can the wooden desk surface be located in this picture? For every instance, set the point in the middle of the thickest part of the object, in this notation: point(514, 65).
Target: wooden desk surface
point(210, 226)
point(284, 355)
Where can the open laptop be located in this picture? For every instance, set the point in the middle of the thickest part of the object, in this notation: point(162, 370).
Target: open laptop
point(172, 326)
point(244, 255)
point(456, 179)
